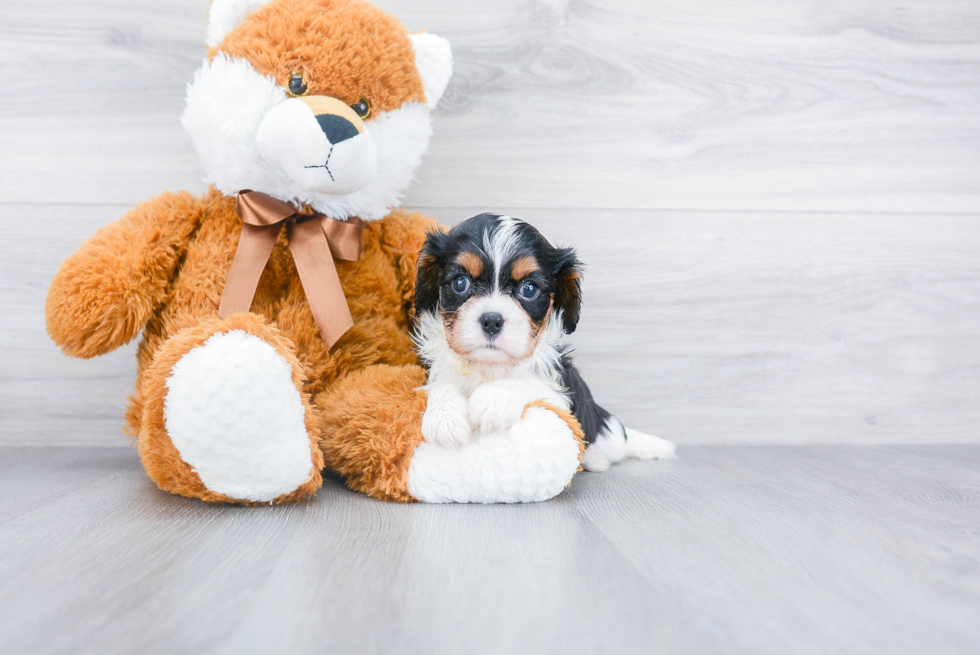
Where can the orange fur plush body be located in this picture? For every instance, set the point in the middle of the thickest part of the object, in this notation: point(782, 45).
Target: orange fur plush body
point(251, 407)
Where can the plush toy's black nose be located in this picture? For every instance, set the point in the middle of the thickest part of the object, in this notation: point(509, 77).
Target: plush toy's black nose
point(337, 128)
point(491, 324)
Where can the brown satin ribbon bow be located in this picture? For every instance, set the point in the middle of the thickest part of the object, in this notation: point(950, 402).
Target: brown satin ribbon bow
point(314, 242)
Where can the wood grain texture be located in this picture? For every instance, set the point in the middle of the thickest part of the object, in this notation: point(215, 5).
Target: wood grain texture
point(691, 150)
point(47, 398)
point(805, 328)
point(742, 325)
point(725, 550)
point(700, 327)
point(704, 104)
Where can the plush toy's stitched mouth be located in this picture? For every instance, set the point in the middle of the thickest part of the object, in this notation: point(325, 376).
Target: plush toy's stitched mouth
point(325, 164)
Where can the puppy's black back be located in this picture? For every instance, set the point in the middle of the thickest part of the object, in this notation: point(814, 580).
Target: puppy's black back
point(593, 418)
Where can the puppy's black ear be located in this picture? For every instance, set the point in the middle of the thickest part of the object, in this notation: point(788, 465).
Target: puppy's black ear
point(431, 262)
point(568, 287)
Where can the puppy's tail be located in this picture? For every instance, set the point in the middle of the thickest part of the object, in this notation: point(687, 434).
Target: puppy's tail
point(647, 446)
point(609, 441)
point(615, 442)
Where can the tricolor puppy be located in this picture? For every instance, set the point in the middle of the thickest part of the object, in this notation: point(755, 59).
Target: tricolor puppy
point(494, 301)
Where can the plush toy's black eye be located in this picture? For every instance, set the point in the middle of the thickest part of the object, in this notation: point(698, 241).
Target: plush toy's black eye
point(362, 108)
point(297, 87)
point(528, 291)
point(461, 284)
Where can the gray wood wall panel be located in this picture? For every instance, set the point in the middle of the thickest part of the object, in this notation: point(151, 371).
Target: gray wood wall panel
point(708, 104)
point(805, 328)
point(779, 201)
point(701, 327)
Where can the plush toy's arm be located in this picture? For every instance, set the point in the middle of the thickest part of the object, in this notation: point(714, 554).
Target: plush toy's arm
point(105, 293)
point(403, 240)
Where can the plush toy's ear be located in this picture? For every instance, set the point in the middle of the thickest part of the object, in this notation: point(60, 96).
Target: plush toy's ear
point(568, 287)
point(226, 15)
point(434, 61)
point(431, 261)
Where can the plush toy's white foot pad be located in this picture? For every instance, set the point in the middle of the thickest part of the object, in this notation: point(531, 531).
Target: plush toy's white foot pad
point(529, 462)
point(234, 414)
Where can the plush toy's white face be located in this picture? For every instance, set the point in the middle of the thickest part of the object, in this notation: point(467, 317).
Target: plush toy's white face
point(319, 102)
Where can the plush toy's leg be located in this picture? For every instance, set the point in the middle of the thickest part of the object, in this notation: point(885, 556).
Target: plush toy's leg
point(370, 424)
point(224, 417)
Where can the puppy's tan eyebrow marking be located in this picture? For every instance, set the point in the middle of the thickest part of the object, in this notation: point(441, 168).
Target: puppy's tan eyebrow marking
point(471, 261)
point(523, 267)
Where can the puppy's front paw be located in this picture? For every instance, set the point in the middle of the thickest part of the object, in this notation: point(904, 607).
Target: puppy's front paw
point(495, 406)
point(444, 421)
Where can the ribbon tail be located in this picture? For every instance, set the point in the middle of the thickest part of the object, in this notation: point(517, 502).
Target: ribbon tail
point(344, 237)
point(254, 248)
point(321, 284)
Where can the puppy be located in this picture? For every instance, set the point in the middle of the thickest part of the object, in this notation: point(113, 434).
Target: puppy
point(494, 301)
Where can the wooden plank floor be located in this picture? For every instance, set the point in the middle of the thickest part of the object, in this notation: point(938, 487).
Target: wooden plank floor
point(792, 549)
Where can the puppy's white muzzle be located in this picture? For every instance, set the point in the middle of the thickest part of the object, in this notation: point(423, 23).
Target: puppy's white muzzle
point(510, 343)
point(320, 143)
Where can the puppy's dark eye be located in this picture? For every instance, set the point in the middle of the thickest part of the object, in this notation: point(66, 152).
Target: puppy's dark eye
point(297, 87)
point(528, 290)
point(461, 284)
point(362, 108)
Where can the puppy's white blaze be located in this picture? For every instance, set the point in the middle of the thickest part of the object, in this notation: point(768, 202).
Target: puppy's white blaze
point(226, 104)
point(500, 243)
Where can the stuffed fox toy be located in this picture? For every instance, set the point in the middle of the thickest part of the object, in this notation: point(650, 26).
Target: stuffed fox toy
point(275, 310)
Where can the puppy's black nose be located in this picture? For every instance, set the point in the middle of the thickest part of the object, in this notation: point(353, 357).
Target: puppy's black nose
point(491, 324)
point(337, 128)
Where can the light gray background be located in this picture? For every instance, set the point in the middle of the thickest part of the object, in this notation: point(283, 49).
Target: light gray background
point(777, 201)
